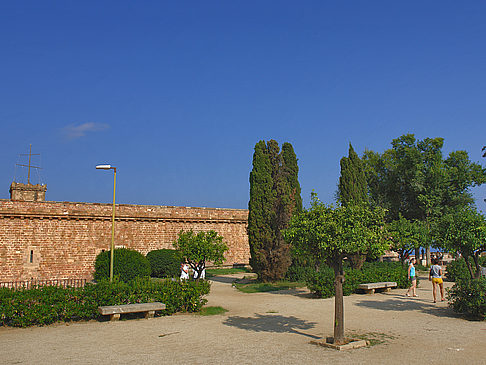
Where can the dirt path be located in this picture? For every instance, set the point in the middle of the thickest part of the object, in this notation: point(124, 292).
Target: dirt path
point(261, 328)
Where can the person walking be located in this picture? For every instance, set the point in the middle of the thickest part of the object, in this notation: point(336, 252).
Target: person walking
point(184, 271)
point(412, 278)
point(435, 275)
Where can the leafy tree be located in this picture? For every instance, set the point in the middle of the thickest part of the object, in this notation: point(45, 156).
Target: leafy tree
point(353, 190)
point(413, 180)
point(197, 248)
point(274, 196)
point(464, 231)
point(331, 234)
point(406, 236)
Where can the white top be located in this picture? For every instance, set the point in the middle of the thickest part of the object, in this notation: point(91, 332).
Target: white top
point(185, 271)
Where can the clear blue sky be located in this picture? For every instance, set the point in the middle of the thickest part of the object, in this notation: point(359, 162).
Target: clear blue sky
point(176, 94)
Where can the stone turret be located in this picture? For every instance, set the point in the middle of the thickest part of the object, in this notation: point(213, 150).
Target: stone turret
point(28, 192)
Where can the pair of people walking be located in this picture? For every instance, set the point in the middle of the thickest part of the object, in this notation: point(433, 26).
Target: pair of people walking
point(435, 275)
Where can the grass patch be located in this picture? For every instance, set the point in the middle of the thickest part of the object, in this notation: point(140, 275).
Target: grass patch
point(211, 311)
point(256, 287)
point(226, 271)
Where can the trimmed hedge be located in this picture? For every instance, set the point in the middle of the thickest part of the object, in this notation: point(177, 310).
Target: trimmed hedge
point(49, 304)
point(469, 297)
point(322, 283)
point(165, 263)
point(128, 265)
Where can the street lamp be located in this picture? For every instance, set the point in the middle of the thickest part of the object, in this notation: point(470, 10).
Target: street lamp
point(109, 167)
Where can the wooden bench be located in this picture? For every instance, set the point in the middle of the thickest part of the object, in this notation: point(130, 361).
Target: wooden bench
point(370, 288)
point(114, 311)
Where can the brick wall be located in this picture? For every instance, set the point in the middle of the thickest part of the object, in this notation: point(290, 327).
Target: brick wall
point(54, 240)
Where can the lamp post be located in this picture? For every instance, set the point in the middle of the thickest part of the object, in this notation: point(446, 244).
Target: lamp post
point(112, 250)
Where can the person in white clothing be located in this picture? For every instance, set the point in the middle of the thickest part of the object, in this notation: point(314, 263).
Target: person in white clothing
point(184, 271)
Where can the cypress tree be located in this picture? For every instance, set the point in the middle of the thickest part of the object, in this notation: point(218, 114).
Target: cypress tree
point(292, 172)
point(260, 207)
point(353, 190)
point(272, 203)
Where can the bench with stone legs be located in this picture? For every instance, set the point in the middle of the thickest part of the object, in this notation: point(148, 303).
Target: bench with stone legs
point(370, 288)
point(114, 311)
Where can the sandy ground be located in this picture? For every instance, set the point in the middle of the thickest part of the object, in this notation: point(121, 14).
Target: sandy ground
point(262, 328)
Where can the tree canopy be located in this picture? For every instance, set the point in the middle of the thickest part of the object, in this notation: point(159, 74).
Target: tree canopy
point(406, 236)
point(331, 234)
point(412, 179)
point(464, 231)
point(197, 248)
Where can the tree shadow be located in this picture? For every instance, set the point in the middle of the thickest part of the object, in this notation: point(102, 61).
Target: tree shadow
point(271, 323)
point(402, 304)
point(223, 279)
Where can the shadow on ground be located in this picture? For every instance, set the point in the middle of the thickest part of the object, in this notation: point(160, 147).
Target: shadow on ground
point(223, 279)
point(401, 304)
point(271, 323)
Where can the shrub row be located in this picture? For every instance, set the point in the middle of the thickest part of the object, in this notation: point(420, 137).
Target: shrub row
point(468, 296)
point(49, 304)
point(322, 283)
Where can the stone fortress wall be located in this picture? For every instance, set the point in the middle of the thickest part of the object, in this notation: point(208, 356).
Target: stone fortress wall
point(45, 240)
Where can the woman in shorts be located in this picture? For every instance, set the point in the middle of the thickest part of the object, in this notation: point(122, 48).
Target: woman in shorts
point(435, 275)
point(412, 277)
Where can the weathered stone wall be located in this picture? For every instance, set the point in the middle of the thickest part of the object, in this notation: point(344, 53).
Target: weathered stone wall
point(55, 240)
point(27, 192)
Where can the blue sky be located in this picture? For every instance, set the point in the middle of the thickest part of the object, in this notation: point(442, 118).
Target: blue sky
point(176, 94)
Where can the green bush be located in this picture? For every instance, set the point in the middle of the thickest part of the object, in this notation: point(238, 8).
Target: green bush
point(322, 283)
point(299, 273)
point(457, 269)
point(128, 265)
point(165, 263)
point(468, 296)
point(49, 304)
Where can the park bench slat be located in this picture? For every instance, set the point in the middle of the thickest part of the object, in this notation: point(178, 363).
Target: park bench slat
point(383, 284)
point(370, 287)
point(114, 311)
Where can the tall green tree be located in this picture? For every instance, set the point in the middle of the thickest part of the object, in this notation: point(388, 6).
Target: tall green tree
point(353, 190)
point(331, 234)
point(292, 172)
point(463, 231)
point(274, 197)
point(413, 180)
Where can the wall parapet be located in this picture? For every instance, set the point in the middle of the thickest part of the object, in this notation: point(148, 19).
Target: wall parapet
point(71, 210)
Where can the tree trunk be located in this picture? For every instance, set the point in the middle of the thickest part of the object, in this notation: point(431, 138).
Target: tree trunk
point(427, 256)
point(477, 274)
point(357, 260)
point(338, 304)
point(417, 255)
point(468, 264)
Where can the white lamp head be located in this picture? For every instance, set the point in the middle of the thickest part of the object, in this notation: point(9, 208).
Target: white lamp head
point(103, 167)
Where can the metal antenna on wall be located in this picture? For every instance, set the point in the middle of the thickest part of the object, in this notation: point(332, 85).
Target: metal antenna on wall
point(29, 166)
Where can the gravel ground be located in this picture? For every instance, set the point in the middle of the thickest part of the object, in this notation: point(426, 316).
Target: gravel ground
point(262, 328)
